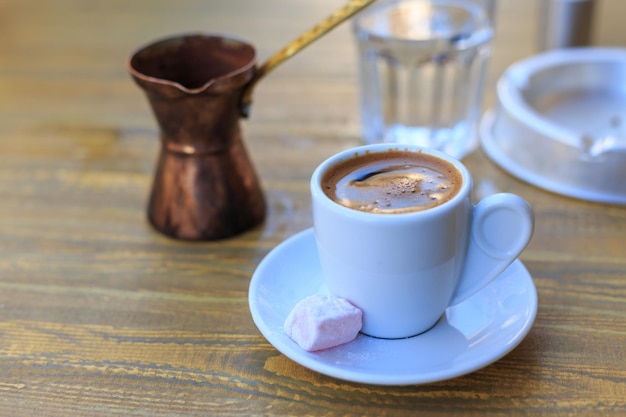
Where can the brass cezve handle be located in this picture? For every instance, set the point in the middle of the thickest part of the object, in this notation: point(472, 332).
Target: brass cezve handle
point(295, 46)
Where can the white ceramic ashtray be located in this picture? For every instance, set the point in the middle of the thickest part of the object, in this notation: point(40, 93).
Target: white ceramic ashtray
point(560, 123)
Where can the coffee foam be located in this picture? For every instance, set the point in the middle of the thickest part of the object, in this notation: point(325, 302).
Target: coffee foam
point(392, 182)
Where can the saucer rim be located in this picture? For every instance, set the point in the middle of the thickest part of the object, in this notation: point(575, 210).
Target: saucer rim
point(308, 359)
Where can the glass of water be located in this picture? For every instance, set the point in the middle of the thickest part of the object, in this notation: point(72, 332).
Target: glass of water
point(422, 65)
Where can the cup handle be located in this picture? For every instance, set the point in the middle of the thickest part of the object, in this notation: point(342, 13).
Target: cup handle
point(502, 225)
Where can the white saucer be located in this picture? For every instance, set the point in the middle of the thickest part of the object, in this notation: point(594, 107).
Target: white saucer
point(469, 336)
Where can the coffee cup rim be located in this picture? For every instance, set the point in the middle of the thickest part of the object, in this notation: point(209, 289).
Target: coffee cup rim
point(318, 193)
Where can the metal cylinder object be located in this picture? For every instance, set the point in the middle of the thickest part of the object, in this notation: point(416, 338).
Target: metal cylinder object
point(565, 23)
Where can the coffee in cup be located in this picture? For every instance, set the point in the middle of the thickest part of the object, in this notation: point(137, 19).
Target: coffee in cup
point(392, 182)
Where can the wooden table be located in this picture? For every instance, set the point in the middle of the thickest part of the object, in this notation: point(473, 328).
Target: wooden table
point(100, 315)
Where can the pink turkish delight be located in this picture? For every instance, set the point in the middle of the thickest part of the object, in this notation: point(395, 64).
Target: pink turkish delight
point(323, 321)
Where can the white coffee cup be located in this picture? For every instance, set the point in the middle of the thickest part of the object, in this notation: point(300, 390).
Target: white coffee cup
point(403, 270)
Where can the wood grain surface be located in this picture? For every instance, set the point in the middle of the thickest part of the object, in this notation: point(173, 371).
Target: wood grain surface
point(102, 316)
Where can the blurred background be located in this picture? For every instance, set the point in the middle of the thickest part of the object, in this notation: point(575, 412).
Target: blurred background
point(43, 35)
